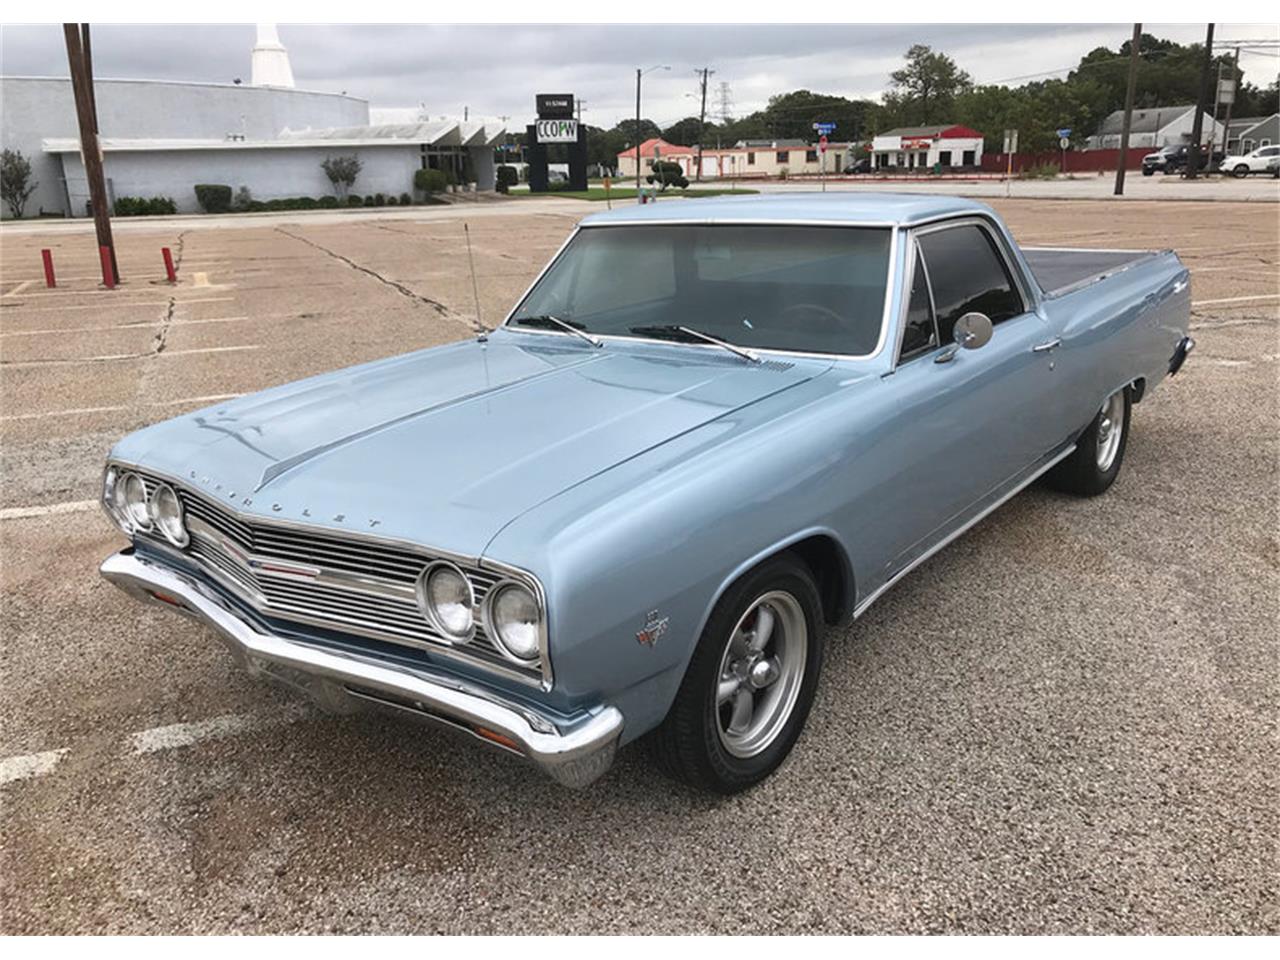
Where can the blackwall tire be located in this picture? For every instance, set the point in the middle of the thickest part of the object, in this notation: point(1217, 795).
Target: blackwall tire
point(740, 710)
point(1095, 463)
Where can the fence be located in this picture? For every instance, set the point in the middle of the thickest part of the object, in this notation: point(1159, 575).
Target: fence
point(1077, 161)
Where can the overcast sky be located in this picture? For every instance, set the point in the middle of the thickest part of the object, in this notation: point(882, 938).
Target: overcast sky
point(496, 70)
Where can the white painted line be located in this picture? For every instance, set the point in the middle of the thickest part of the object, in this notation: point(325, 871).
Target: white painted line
point(135, 325)
point(14, 308)
point(183, 353)
point(112, 357)
point(80, 411)
point(1265, 296)
point(201, 279)
point(30, 765)
point(180, 735)
point(74, 506)
point(19, 288)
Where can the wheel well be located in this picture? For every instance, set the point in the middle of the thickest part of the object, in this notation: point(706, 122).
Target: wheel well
point(1137, 389)
point(830, 567)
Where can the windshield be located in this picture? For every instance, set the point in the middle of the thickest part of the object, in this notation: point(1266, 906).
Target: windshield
point(769, 286)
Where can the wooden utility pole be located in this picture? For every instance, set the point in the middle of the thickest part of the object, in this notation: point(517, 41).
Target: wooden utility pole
point(702, 117)
point(78, 58)
point(1128, 108)
point(1197, 126)
point(1235, 89)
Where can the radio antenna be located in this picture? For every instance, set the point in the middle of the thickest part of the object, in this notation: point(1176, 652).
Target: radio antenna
point(475, 289)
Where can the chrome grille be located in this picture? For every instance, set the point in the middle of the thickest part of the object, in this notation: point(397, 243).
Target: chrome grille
point(375, 593)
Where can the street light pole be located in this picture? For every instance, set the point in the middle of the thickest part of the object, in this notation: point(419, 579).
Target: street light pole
point(640, 73)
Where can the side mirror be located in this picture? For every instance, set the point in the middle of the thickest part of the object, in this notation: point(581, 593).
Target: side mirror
point(972, 331)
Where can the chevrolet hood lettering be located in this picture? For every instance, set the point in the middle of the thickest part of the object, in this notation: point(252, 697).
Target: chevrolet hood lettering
point(449, 446)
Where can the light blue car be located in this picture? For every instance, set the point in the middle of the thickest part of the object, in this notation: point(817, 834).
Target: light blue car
point(710, 431)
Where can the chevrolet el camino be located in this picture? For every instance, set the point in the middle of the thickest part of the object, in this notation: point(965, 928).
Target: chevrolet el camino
point(709, 432)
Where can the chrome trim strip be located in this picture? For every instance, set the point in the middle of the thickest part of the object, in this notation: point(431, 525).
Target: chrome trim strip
point(574, 755)
point(894, 241)
point(861, 608)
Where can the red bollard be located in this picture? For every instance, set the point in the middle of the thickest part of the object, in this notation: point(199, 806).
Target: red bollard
point(47, 256)
point(108, 275)
point(168, 264)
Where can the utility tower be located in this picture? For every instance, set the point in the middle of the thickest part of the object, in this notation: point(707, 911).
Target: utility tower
point(724, 103)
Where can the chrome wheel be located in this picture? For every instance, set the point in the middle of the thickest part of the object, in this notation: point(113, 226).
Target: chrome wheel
point(1110, 430)
point(760, 673)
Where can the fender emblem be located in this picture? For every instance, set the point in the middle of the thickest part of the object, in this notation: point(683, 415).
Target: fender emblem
point(654, 628)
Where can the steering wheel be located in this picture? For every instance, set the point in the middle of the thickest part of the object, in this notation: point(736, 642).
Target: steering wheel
point(826, 312)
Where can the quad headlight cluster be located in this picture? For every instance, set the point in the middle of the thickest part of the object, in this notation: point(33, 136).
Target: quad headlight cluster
point(125, 496)
point(511, 611)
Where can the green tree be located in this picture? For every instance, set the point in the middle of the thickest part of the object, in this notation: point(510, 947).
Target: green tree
point(16, 185)
point(342, 173)
point(685, 132)
point(925, 89)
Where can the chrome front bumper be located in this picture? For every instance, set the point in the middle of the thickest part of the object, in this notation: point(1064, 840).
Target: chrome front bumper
point(575, 755)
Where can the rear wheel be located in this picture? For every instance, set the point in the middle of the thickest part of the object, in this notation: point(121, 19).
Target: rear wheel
point(1095, 463)
point(750, 683)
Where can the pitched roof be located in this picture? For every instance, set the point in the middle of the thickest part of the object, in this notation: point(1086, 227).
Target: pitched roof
point(1242, 125)
point(937, 131)
point(1150, 120)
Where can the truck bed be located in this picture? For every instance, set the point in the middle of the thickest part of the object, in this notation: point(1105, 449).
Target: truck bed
point(1060, 270)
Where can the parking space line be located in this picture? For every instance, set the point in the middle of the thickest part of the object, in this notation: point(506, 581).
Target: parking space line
point(19, 288)
point(81, 411)
point(29, 765)
point(178, 735)
point(1265, 296)
point(119, 304)
point(134, 325)
point(73, 506)
point(112, 357)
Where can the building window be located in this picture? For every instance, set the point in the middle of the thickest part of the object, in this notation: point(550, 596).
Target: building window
point(944, 157)
point(811, 156)
point(781, 156)
point(1265, 143)
point(1248, 146)
point(751, 159)
point(968, 158)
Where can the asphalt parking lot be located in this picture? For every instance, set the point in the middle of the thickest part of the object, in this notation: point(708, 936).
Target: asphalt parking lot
point(1064, 722)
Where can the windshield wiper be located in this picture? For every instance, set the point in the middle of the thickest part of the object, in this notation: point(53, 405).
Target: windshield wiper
point(547, 320)
point(674, 331)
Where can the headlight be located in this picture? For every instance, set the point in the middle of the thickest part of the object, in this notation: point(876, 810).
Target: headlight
point(110, 491)
point(516, 621)
point(444, 594)
point(131, 502)
point(165, 510)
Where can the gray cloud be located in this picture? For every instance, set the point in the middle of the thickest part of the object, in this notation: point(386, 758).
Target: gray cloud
point(495, 70)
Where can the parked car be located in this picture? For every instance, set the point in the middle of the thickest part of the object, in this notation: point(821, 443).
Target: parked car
point(1174, 158)
point(638, 505)
point(859, 166)
point(1262, 160)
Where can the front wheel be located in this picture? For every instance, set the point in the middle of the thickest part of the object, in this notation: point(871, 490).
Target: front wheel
point(1094, 464)
point(749, 686)
point(1241, 170)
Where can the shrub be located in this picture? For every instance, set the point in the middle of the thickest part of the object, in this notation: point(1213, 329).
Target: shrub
point(143, 207)
point(379, 199)
point(507, 178)
point(213, 197)
point(783, 173)
point(342, 172)
point(242, 200)
point(667, 173)
point(430, 181)
point(1043, 171)
point(16, 185)
point(355, 200)
point(327, 203)
point(405, 200)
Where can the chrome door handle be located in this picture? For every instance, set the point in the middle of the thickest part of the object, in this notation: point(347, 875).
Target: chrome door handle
point(1047, 346)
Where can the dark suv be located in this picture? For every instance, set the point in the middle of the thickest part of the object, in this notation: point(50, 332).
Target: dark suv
point(1173, 159)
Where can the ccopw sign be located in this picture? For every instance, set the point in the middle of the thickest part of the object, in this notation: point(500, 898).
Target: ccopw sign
point(557, 131)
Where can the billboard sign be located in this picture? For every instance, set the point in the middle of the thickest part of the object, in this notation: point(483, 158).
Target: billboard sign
point(554, 106)
point(557, 131)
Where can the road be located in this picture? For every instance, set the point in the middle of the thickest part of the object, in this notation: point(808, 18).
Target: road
point(1064, 722)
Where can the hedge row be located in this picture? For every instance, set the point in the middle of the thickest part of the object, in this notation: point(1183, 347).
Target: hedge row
point(142, 207)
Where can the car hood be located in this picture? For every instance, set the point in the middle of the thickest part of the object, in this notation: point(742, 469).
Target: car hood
point(446, 446)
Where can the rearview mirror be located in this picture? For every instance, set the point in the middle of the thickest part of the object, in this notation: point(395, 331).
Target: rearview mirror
point(972, 331)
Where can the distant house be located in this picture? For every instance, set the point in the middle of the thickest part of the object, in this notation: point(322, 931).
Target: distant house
point(746, 158)
point(1248, 133)
point(919, 148)
point(1156, 127)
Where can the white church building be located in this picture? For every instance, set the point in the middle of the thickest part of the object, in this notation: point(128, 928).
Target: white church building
point(161, 138)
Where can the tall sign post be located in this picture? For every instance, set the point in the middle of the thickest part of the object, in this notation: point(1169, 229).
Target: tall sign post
point(1064, 141)
point(1128, 107)
point(77, 40)
point(824, 130)
point(1010, 148)
point(556, 123)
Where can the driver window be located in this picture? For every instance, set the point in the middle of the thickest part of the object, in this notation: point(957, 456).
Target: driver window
point(967, 274)
point(919, 333)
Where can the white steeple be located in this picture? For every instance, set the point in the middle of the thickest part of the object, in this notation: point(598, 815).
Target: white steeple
point(270, 59)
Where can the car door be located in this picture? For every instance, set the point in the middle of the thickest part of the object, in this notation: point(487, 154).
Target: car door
point(975, 419)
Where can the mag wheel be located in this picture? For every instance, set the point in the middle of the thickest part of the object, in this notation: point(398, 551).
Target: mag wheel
point(749, 686)
point(1094, 464)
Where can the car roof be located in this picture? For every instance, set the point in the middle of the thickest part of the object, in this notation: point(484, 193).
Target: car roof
point(884, 209)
